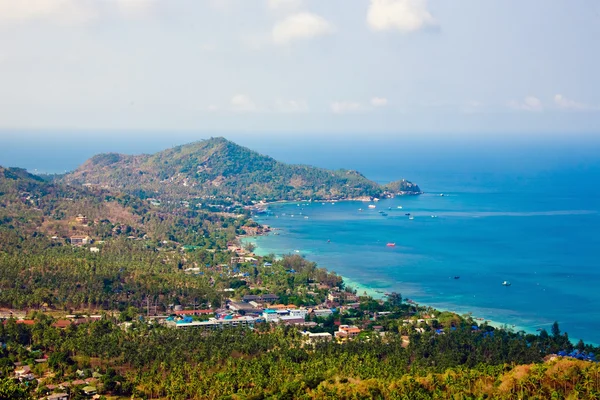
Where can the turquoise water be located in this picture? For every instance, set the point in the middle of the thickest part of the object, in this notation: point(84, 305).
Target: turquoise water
point(538, 235)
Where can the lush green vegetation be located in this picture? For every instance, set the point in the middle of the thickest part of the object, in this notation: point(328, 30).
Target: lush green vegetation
point(153, 361)
point(222, 169)
point(149, 258)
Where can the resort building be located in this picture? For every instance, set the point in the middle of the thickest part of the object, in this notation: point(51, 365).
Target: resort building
point(347, 332)
point(229, 321)
point(79, 240)
point(325, 312)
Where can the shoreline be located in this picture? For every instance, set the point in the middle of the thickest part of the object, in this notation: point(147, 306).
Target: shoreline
point(377, 294)
point(363, 199)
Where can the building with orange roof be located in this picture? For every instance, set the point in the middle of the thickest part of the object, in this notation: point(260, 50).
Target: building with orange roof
point(347, 332)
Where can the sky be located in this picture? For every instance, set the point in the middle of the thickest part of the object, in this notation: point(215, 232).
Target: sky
point(361, 67)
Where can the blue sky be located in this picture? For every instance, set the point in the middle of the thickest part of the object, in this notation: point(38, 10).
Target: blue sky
point(336, 66)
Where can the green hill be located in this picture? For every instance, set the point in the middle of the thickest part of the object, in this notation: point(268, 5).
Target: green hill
point(218, 168)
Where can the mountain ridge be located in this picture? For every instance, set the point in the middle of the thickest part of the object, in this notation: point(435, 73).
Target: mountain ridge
point(218, 168)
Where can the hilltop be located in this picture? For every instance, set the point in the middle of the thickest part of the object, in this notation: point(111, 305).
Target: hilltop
point(218, 168)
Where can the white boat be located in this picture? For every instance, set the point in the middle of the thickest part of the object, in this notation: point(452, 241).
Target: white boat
point(411, 217)
point(372, 206)
point(400, 207)
point(506, 283)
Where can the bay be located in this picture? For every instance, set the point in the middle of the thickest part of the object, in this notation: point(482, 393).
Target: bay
point(537, 232)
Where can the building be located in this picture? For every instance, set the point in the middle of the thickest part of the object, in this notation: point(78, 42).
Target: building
point(316, 337)
point(333, 296)
point(265, 298)
point(94, 250)
point(192, 312)
point(89, 390)
point(245, 307)
point(62, 323)
point(79, 240)
point(229, 321)
point(251, 297)
point(347, 332)
point(291, 320)
point(298, 313)
point(269, 298)
point(351, 298)
point(58, 396)
point(24, 373)
point(325, 312)
point(270, 315)
point(82, 219)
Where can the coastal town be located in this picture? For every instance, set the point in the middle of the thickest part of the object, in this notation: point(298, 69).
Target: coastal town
point(320, 310)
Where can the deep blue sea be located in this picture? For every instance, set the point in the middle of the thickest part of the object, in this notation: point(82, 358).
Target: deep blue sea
point(538, 231)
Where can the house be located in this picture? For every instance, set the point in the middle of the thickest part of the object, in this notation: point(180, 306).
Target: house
point(25, 321)
point(25, 369)
point(251, 297)
point(351, 298)
point(322, 312)
point(58, 396)
point(79, 240)
point(94, 250)
point(89, 390)
point(333, 297)
point(347, 332)
point(24, 373)
point(82, 219)
point(63, 323)
point(299, 313)
point(269, 298)
point(291, 320)
point(270, 315)
point(246, 307)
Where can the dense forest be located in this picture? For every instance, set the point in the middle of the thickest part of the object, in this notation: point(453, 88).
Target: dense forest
point(221, 169)
point(151, 361)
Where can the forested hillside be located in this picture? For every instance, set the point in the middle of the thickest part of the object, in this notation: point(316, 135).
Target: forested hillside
point(105, 312)
point(220, 168)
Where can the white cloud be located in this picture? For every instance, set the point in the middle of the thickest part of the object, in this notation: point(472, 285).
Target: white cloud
point(213, 108)
point(302, 25)
point(379, 101)
point(284, 5)
point(291, 106)
point(59, 11)
point(241, 102)
point(134, 8)
point(568, 104)
point(529, 103)
point(343, 107)
point(402, 15)
point(71, 11)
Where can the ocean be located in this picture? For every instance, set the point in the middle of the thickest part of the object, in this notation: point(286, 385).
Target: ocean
point(536, 229)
